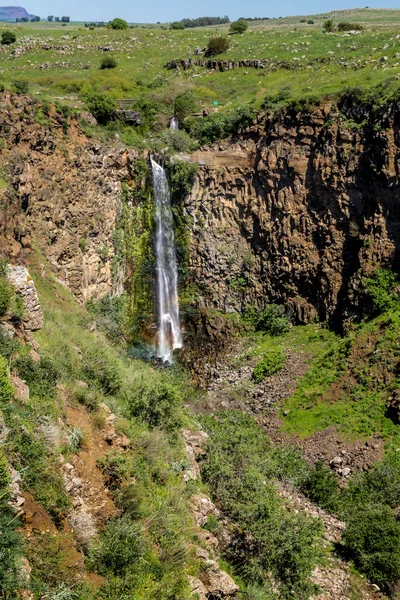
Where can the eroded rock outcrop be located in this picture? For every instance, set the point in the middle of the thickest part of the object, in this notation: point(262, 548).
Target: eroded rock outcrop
point(296, 210)
point(62, 190)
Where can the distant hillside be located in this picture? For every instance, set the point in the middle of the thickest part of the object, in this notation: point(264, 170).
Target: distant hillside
point(10, 13)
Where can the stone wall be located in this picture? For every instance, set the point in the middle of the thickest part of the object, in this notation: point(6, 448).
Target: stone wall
point(296, 210)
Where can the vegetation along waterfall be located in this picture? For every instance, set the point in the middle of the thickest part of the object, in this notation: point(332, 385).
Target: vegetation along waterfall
point(169, 333)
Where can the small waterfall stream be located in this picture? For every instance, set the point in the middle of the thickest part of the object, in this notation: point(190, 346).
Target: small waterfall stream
point(174, 124)
point(169, 332)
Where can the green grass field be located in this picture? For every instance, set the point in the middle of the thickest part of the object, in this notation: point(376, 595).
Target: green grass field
point(62, 62)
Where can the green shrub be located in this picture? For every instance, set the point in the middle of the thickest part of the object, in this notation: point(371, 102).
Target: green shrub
point(8, 345)
point(239, 26)
point(217, 45)
point(20, 86)
point(321, 487)
point(6, 290)
point(329, 25)
point(10, 553)
point(272, 320)
point(5, 477)
point(380, 485)
point(101, 368)
point(272, 362)
point(177, 25)
point(238, 466)
point(217, 126)
point(41, 376)
point(111, 314)
point(119, 24)
point(155, 402)
point(6, 389)
point(101, 106)
point(372, 540)
point(185, 105)
point(379, 288)
point(121, 546)
point(8, 37)
point(350, 27)
point(108, 62)
point(115, 469)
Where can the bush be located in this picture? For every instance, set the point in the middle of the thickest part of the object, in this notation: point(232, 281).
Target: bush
point(272, 362)
point(321, 487)
point(329, 25)
point(8, 37)
point(239, 26)
point(372, 540)
point(10, 553)
point(119, 24)
point(378, 486)
point(177, 25)
point(120, 546)
point(101, 106)
point(217, 45)
point(6, 389)
point(217, 126)
point(268, 540)
point(20, 86)
point(271, 320)
point(379, 289)
point(108, 62)
point(101, 368)
point(350, 27)
point(184, 106)
point(155, 402)
point(41, 376)
point(5, 477)
point(6, 292)
point(310, 22)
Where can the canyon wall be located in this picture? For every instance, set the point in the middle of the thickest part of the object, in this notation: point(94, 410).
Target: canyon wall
point(60, 191)
point(296, 210)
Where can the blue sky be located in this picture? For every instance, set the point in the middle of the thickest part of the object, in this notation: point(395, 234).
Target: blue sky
point(150, 11)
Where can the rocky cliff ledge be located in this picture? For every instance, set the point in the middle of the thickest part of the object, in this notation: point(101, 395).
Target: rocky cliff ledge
point(60, 191)
point(296, 210)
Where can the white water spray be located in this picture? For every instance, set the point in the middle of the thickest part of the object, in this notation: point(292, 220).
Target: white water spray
point(174, 124)
point(169, 335)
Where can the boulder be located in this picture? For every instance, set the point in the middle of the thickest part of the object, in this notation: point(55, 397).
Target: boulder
point(24, 285)
point(130, 117)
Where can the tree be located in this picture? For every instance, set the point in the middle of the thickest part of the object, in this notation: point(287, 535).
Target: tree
point(217, 45)
point(57, 19)
point(50, 18)
point(118, 24)
point(65, 19)
point(184, 106)
point(239, 26)
point(37, 19)
point(8, 37)
point(101, 106)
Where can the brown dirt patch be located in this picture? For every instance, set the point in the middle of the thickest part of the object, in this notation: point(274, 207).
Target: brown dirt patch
point(93, 491)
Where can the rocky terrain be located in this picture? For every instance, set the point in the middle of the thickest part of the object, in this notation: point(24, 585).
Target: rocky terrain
point(296, 210)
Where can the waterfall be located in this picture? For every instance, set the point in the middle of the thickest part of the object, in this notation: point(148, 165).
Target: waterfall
point(169, 333)
point(173, 124)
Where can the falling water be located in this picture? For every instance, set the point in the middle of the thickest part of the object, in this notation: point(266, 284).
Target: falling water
point(173, 124)
point(169, 332)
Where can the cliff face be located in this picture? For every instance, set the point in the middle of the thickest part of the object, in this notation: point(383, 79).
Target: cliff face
point(61, 191)
point(296, 211)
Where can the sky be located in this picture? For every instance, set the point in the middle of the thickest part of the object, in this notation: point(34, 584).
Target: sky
point(151, 11)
